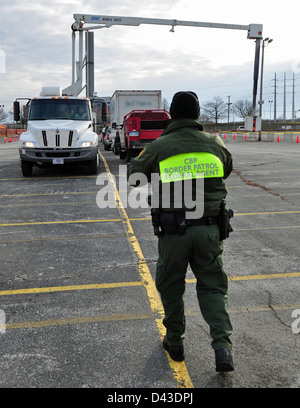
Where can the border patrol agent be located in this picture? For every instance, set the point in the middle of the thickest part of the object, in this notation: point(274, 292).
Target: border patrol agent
point(198, 242)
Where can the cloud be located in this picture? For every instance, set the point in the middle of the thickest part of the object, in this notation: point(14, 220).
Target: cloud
point(36, 44)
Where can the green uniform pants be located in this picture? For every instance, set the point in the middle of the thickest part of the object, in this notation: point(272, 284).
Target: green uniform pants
point(201, 248)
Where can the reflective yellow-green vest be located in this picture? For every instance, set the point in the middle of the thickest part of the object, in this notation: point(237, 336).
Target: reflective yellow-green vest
point(185, 166)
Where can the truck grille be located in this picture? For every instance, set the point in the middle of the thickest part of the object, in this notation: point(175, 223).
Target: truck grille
point(44, 137)
point(51, 139)
point(70, 138)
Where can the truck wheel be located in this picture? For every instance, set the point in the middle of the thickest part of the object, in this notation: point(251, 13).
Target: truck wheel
point(130, 154)
point(117, 146)
point(122, 154)
point(26, 168)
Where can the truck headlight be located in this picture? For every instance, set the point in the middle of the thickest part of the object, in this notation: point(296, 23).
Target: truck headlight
point(28, 144)
point(87, 144)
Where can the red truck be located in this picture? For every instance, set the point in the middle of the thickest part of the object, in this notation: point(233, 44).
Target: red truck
point(140, 127)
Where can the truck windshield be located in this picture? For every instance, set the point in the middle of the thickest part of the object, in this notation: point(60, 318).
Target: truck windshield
point(72, 109)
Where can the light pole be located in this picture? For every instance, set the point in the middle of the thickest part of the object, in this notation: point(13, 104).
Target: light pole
point(268, 41)
point(270, 102)
point(228, 103)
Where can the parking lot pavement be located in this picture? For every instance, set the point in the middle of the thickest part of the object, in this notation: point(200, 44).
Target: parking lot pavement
point(76, 283)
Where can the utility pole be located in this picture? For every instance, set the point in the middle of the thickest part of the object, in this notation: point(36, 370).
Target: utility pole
point(293, 99)
point(275, 93)
point(284, 98)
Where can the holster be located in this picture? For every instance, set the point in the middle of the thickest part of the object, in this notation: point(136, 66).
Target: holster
point(224, 221)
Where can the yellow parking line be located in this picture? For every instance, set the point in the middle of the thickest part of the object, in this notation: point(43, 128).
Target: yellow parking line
point(78, 320)
point(47, 194)
point(129, 219)
point(265, 276)
point(69, 288)
point(57, 222)
point(254, 277)
point(137, 283)
point(269, 212)
point(136, 316)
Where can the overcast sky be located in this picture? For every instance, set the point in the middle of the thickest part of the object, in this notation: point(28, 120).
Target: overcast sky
point(35, 48)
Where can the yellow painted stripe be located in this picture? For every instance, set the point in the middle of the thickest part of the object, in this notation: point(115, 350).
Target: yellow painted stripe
point(129, 219)
point(254, 277)
point(269, 212)
point(69, 288)
point(77, 320)
point(137, 283)
point(265, 276)
point(179, 369)
point(48, 194)
point(257, 308)
point(107, 236)
point(137, 316)
point(58, 222)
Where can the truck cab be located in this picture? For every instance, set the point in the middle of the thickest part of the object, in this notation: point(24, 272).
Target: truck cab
point(140, 127)
point(59, 131)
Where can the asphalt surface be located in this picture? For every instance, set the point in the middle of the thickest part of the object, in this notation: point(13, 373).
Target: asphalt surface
point(76, 281)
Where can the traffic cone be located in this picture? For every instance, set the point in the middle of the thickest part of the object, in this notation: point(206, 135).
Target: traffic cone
point(297, 141)
point(245, 136)
point(234, 136)
point(224, 135)
point(5, 140)
point(278, 139)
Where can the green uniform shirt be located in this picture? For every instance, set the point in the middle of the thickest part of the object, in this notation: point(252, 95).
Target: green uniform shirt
point(187, 136)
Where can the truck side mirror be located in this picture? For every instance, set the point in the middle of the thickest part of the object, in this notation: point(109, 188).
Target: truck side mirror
point(17, 111)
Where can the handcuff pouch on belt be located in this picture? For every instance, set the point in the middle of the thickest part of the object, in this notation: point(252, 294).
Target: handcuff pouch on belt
point(168, 222)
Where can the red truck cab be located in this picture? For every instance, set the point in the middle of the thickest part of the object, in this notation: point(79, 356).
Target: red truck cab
point(141, 127)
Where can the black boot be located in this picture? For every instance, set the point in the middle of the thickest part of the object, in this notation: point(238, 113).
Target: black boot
point(223, 360)
point(175, 352)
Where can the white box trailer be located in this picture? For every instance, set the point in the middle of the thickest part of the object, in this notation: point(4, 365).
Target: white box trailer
point(124, 101)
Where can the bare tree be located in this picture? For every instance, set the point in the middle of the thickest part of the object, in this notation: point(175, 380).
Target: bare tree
point(215, 109)
point(243, 108)
point(3, 115)
point(204, 118)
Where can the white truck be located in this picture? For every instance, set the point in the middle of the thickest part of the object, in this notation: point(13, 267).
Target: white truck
point(59, 131)
point(124, 101)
